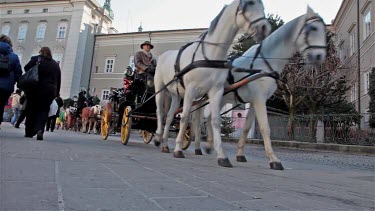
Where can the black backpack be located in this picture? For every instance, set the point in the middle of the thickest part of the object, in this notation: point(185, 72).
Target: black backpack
point(4, 65)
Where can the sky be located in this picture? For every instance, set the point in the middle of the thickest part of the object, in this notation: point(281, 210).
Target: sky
point(186, 14)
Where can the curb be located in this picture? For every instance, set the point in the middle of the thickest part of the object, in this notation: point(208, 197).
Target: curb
point(370, 150)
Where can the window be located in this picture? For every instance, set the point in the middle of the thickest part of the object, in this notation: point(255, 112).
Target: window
point(367, 82)
point(352, 43)
point(26, 11)
point(367, 24)
point(354, 92)
point(61, 30)
point(131, 62)
point(22, 30)
point(105, 94)
point(5, 30)
point(109, 64)
point(41, 30)
point(342, 53)
point(45, 10)
point(9, 12)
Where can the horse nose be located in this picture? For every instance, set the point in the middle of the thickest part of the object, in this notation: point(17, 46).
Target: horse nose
point(318, 57)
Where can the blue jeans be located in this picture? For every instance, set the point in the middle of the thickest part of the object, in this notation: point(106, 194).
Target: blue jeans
point(16, 112)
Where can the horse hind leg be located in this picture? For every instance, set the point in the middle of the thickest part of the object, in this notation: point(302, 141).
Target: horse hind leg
point(195, 125)
point(241, 143)
point(170, 117)
point(261, 114)
point(159, 100)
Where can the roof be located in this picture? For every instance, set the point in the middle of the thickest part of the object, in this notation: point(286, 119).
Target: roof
point(157, 31)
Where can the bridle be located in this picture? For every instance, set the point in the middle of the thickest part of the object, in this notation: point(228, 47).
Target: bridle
point(307, 33)
point(242, 7)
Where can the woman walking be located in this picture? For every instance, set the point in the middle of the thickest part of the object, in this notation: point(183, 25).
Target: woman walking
point(40, 99)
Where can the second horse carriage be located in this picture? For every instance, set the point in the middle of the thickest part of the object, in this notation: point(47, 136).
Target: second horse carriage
point(130, 108)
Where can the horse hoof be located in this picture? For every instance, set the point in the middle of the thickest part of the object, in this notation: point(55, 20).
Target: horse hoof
point(157, 143)
point(178, 154)
point(241, 158)
point(207, 150)
point(224, 162)
point(276, 166)
point(198, 152)
point(165, 149)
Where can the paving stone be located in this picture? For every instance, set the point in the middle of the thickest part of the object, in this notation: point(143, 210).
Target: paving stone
point(21, 169)
point(29, 196)
point(106, 199)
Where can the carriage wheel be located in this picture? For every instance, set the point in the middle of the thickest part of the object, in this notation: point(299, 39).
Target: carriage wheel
point(186, 139)
point(147, 136)
point(126, 125)
point(104, 123)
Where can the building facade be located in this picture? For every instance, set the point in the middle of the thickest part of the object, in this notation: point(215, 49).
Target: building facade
point(67, 27)
point(345, 26)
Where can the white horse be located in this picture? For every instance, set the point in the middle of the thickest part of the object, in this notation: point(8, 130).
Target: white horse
point(306, 35)
point(213, 46)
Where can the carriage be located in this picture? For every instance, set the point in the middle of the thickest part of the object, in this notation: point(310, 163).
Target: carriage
point(134, 109)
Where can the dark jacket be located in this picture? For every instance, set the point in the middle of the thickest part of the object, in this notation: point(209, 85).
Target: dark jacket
point(81, 100)
point(49, 76)
point(143, 61)
point(7, 82)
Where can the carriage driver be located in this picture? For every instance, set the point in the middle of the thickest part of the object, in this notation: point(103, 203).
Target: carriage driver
point(145, 61)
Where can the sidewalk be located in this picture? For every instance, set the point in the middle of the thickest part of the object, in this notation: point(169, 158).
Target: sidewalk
point(370, 150)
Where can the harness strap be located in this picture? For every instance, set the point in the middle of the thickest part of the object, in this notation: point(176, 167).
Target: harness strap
point(230, 80)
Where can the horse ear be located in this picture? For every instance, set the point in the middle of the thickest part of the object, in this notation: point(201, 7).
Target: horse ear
point(310, 12)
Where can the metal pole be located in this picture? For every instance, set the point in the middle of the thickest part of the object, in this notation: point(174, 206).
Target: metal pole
point(359, 63)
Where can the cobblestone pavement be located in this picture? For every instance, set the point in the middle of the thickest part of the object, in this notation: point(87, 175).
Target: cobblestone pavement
point(73, 171)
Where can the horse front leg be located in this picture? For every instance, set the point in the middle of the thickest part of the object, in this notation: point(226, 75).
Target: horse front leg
point(261, 115)
point(170, 116)
point(90, 125)
point(84, 124)
point(95, 125)
point(215, 97)
point(190, 94)
point(249, 123)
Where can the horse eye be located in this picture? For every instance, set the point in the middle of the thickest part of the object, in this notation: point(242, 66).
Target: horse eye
point(313, 28)
point(251, 3)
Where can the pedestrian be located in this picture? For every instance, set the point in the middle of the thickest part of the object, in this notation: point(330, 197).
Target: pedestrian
point(22, 116)
point(10, 71)
point(55, 106)
point(16, 105)
point(81, 102)
point(40, 98)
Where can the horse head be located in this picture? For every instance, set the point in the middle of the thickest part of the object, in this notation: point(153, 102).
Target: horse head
point(250, 17)
point(312, 41)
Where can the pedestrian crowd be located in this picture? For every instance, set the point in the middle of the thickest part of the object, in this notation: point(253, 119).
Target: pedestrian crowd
point(40, 85)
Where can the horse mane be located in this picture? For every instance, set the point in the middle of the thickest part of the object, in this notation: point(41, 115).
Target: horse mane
point(215, 21)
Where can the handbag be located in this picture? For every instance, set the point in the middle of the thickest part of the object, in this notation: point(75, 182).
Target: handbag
point(30, 79)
